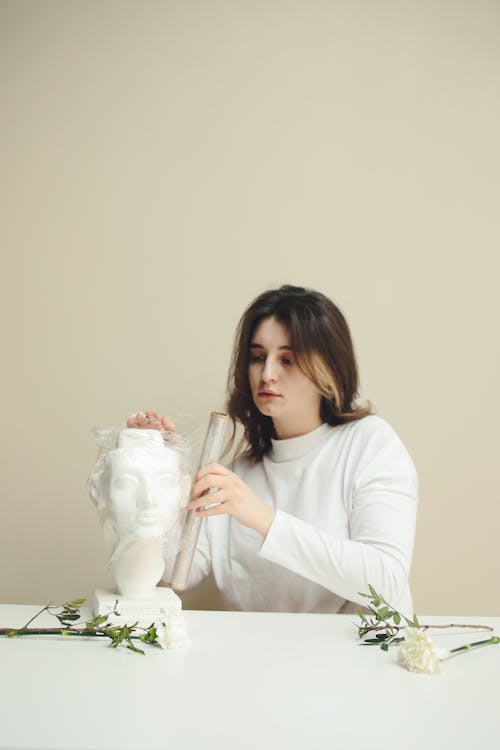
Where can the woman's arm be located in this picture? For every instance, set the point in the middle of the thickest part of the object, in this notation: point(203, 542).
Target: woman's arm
point(381, 522)
point(381, 528)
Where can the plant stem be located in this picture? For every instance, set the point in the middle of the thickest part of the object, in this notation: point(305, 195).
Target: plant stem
point(368, 628)
point(48, 631)
point(37, 614)
point(12, 632)
point(476, 644)
point(458, 625)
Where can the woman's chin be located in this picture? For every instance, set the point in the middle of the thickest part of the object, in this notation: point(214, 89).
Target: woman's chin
point(266, 408)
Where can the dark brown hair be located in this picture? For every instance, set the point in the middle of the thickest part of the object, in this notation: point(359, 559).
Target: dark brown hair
point(320, 338)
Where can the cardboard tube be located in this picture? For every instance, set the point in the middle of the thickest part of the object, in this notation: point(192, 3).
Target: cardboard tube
point(211, 451)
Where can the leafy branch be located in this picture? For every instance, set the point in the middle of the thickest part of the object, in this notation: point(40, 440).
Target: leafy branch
point(386, 622)
point(98, 627)
point(383, 618)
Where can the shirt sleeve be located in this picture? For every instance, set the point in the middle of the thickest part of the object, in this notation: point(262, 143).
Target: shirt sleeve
point(382, 519)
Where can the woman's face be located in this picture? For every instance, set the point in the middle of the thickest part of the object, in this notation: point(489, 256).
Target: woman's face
point(280, 390)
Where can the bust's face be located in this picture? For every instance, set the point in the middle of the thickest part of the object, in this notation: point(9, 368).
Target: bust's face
point(142, 490)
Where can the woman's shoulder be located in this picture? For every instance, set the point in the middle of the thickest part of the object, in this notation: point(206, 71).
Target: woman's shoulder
point(365, 428)
point(374, 433)
point(376, 443)
point(370, 425)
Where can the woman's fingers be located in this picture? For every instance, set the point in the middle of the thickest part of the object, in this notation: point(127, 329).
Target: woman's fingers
point(212, 497)
point(218, 490)
point(137, 420)
point(209, 510)
point(214, 469)
point(212, 476)
point(143, 421)
point(150, 420)
point(167, 425)
point(212, 485)
point(203, 485)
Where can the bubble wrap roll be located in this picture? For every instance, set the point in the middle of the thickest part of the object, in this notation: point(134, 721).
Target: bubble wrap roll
point(211, 451)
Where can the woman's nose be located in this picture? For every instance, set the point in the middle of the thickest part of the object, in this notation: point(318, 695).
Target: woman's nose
point(269, 373)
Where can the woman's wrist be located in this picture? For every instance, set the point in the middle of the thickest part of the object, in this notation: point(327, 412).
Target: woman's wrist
point(265, 519)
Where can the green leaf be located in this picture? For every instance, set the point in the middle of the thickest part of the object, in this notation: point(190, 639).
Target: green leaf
point(397, 618)
point(135, 649)
point(385, 647)
point(376, 597)
point(150, 636)
point(383, 613)
point(121, 634)
point(99, 620)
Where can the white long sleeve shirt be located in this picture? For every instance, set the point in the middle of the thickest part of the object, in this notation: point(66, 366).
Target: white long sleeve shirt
point(346, 501)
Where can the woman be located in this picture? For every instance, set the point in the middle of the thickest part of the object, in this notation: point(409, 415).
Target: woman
point(322, 501)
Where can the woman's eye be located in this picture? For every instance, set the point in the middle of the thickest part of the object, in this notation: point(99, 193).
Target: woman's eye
point(287, 361)
point(257, 358)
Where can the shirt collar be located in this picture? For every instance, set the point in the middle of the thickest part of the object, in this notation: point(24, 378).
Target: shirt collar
point(292, 448)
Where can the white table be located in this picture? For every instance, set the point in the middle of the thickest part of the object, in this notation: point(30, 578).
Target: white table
point(248, 680)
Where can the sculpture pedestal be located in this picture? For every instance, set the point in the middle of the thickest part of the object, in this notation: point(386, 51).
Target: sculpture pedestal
point(142, 611)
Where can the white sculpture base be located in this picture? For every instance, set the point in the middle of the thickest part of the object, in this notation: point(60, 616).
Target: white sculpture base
point(143, 611)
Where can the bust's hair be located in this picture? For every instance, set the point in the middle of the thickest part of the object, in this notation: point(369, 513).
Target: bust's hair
point(94, 483)
point(323, 349)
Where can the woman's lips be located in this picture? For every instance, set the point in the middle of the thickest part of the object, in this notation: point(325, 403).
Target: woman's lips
point(268, 394)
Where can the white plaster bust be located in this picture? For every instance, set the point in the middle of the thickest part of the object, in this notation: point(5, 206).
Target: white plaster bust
point(137, 489)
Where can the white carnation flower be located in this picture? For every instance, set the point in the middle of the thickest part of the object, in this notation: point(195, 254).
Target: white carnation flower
point(172, 633)
point(419, 654)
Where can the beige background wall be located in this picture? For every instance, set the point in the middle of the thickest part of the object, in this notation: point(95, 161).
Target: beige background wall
point(164, 162)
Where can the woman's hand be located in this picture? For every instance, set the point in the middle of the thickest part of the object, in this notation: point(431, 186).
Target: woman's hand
point(233, 497)
point(150, 420)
